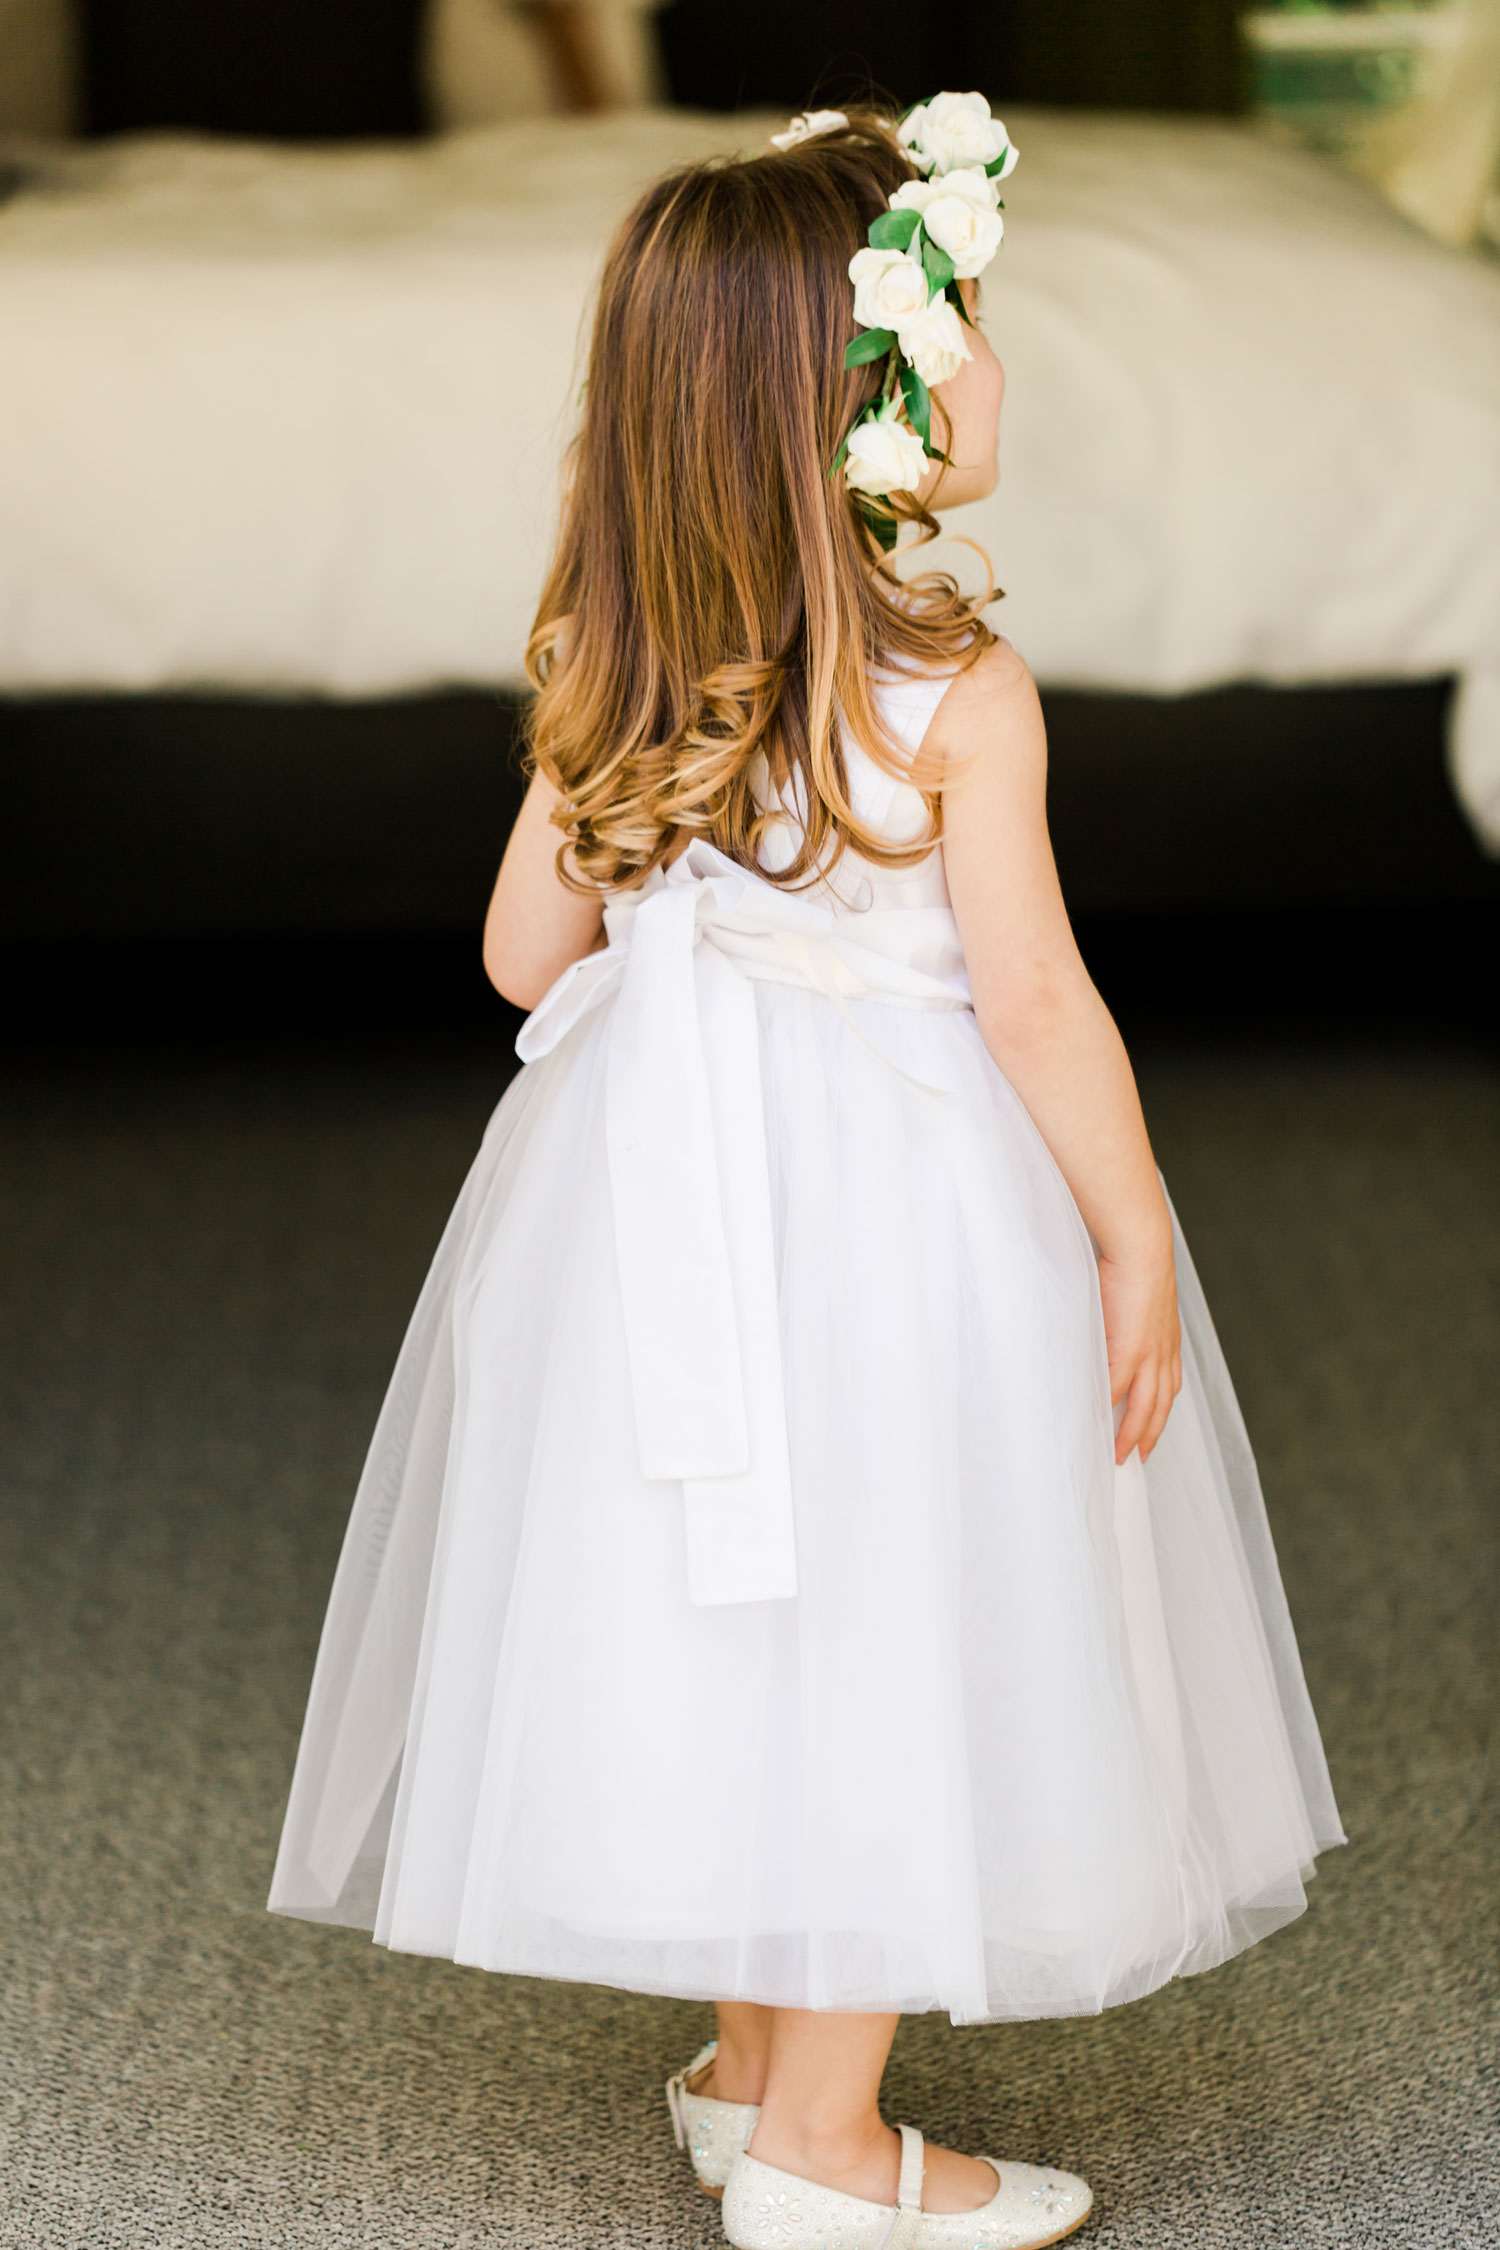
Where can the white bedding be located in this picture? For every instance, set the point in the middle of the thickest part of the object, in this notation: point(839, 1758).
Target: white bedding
point(288, 420)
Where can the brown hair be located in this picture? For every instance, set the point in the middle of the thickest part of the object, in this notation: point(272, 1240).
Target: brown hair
point(715, 592)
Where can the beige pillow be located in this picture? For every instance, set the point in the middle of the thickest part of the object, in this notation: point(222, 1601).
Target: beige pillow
point(484, 62)
point(39, 67)
point(1438, 159)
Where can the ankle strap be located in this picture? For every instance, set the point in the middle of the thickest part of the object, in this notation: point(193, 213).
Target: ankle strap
point(677, 2093)
point(903, 2229)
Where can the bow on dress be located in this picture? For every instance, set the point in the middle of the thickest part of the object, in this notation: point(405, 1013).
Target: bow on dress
point(690, 1184)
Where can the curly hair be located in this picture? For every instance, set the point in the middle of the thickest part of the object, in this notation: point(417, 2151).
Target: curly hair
point(715, 593)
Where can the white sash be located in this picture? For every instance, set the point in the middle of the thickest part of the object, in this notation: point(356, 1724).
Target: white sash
point(685, 1132)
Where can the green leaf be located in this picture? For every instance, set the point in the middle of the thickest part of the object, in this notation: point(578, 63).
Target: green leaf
point(882, 521)
point(873, 344)
point(841, 456)
point(893, 230)
point(956, 299)
point(918, 405)
point(937, 265)
point(996, 164)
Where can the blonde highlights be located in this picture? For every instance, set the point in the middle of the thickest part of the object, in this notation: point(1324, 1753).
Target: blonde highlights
point(714, 595)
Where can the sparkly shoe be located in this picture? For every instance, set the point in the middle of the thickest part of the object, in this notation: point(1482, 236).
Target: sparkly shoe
point(713, 2133)
point(769, 2210)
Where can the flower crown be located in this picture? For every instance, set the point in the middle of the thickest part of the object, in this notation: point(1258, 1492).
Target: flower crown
point(937, 231)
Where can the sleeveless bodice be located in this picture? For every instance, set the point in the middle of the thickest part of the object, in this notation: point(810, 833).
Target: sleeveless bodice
point(893, 808)
point(901, 912)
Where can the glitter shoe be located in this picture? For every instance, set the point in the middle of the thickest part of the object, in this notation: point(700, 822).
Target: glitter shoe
point(713, 2133)
point(769, 2210)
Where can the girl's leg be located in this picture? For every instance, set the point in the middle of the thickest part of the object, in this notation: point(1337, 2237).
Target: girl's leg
point(820, 2114)
point(738, 2071)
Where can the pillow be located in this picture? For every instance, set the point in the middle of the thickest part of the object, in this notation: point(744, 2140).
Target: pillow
point(486, 61)
point(1438, 159)
point(483, 63)
point(275, 69)
point(38, 67)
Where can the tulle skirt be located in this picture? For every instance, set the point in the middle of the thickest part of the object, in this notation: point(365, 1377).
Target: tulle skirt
point(1031, 1738)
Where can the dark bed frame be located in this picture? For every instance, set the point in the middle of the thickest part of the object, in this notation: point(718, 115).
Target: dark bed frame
point(154, 814)
point(196, 872)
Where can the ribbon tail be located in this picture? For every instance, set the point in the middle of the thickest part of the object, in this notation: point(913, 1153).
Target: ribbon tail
point(676, 1285)
point(741, 1531)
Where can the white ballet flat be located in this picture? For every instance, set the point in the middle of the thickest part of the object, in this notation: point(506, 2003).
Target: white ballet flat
point(714, 2133)
point(769, 2210)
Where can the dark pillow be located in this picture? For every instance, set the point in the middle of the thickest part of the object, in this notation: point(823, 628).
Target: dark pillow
point(278, 69)
point(785, 53)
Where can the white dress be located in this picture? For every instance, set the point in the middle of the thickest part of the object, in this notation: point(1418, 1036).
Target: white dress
point(741, 1599)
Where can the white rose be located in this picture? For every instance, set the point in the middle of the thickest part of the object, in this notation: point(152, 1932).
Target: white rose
point(808, 126)
point(953, 130)
point(967, 180)
point(958, 212)
point(889, 287)
point(885, 456)
point(908, 132)
point(933, 342)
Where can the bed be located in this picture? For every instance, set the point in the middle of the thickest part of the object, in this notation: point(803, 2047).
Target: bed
point(285, 424)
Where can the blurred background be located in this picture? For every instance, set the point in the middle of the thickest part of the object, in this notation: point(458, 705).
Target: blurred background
point(293, 297)
point(291, 304)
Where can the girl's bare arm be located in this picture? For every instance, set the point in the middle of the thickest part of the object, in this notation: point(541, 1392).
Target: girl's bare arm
point(536, 925)
point(1045, 1024)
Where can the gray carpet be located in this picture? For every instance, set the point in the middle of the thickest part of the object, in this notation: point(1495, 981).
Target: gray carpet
point(207, 1268)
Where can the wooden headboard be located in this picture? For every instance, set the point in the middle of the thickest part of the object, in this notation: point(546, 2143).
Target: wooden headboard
point(340, 69)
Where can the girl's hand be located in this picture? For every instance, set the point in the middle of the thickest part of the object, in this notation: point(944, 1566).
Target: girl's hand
point(1144, 1342)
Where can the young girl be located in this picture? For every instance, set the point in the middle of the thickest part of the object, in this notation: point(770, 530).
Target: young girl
point(782, 1576)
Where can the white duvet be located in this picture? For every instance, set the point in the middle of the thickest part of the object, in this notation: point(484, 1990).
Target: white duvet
point(291, 421)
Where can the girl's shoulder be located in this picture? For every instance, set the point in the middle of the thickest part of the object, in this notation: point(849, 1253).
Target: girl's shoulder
point(955, 705)
point(1000, 671)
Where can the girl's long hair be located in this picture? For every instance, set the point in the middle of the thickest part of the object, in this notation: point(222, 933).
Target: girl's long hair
point(714, 593)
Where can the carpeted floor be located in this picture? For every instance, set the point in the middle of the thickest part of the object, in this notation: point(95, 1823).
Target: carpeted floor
point(207, 1266)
